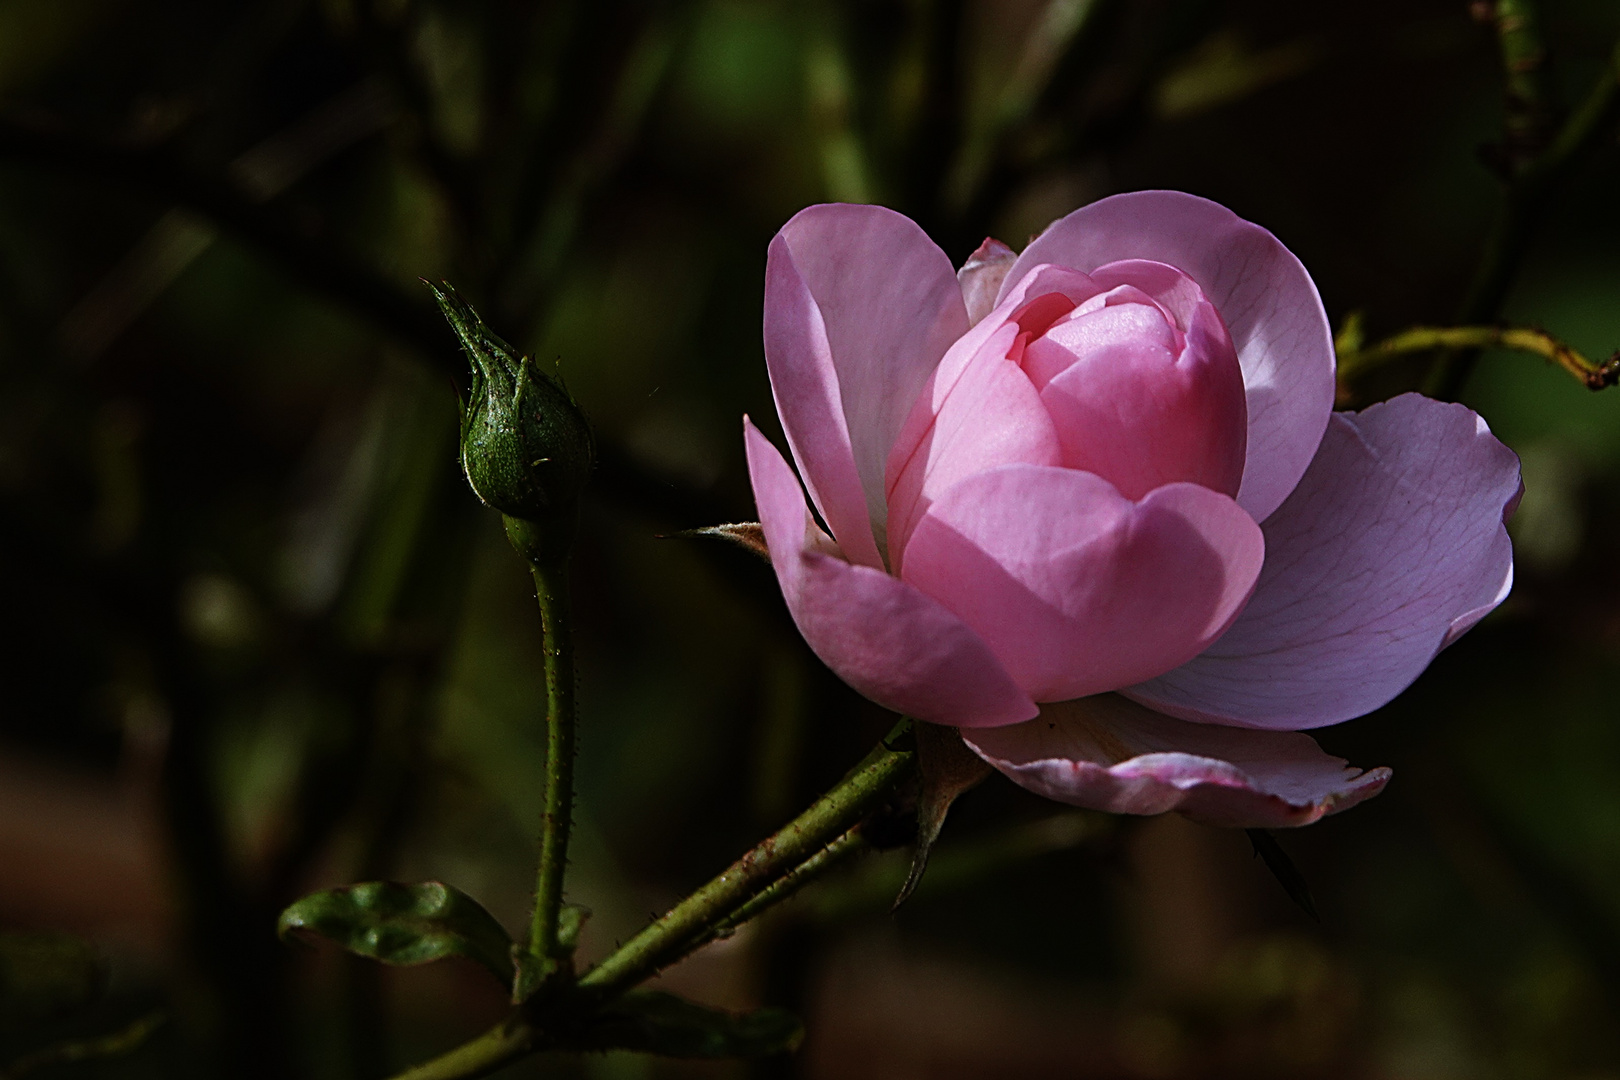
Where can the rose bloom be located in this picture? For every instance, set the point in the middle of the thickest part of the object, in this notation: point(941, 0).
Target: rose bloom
point(1091, 503)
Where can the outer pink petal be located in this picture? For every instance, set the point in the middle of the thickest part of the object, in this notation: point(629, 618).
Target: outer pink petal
point(1106, 753)
point(1077, 589)
point(859, 308)
point(1264, 295)
point(884, 638)
point(1392, 545)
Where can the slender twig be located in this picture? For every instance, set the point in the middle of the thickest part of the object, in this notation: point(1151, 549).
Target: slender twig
point(551, 587)
point(1522, 200)
point(1049, 42)
point(1354, 363)
point(1529, 107)
point(543, 231)
point(321, 266)
point(387, 44)
point(1581, 128)
point(512, 1038)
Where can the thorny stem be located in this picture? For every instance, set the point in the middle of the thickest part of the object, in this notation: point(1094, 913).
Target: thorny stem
point(851, 842)
point(683, 927)
point(551, 587)
point(1353, 363)
point(749, 885)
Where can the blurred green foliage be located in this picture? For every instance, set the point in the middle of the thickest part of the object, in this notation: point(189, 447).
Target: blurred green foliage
point(245, 585)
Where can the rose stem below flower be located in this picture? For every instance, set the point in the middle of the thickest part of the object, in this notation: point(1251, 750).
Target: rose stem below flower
point(685, 925)
point(693, 921)
point(551, 587)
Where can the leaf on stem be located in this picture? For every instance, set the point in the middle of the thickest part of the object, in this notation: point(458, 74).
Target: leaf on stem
point(946, 769)
point(532, 970)
point(1283, 869)
point(654, 1022)
point(404, 924)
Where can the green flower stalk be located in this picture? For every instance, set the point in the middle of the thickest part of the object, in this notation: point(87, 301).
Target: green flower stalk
point(526, 449)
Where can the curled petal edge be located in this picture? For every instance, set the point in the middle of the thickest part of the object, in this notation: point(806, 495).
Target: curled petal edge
point(1107, 753)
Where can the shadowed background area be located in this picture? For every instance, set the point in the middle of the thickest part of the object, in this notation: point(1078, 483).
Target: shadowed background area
point(260, 638)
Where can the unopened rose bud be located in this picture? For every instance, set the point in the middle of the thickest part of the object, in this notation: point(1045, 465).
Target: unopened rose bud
point(526, 447)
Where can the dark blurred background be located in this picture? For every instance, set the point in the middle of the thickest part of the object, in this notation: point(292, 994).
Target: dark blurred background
point(259, 638)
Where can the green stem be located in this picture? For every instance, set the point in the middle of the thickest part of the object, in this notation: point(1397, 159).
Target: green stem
point(1525, 195)
point(852, 842)
point(819, 836)
point(1595, 376)
point(512, 1038)
point(551, 586)
point(1529, 104)
point(688, 924)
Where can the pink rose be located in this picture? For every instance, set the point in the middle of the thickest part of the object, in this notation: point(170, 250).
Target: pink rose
point(1111, 464)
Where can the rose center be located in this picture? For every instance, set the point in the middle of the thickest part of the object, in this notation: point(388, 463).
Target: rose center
point(1140, 379)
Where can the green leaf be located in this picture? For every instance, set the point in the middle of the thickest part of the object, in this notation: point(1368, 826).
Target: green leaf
point(45, 976)
point(404, 924)
point(657, 1023)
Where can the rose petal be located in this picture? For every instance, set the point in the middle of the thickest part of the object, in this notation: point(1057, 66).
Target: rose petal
point(1263, 294)
point(991, 416)
point(859, 308)
point(1392, 545)
point(999, 418)
point(1077, 589)
point(880, 635)
point(1141, 416)
point(1083, 332)
point(1106, 753)
point(980, 277)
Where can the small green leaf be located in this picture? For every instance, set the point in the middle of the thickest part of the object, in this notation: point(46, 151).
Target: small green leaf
point(570, 921)
point(946, 768)
point(657, 1023)
point(404, 924)
point(45, 976)
point(534, 971)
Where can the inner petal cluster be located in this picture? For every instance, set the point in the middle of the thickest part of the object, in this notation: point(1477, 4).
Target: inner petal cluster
point(1142, 383)
point(1065, 483)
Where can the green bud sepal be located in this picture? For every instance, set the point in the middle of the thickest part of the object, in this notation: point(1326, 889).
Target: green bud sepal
point(526, 447)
